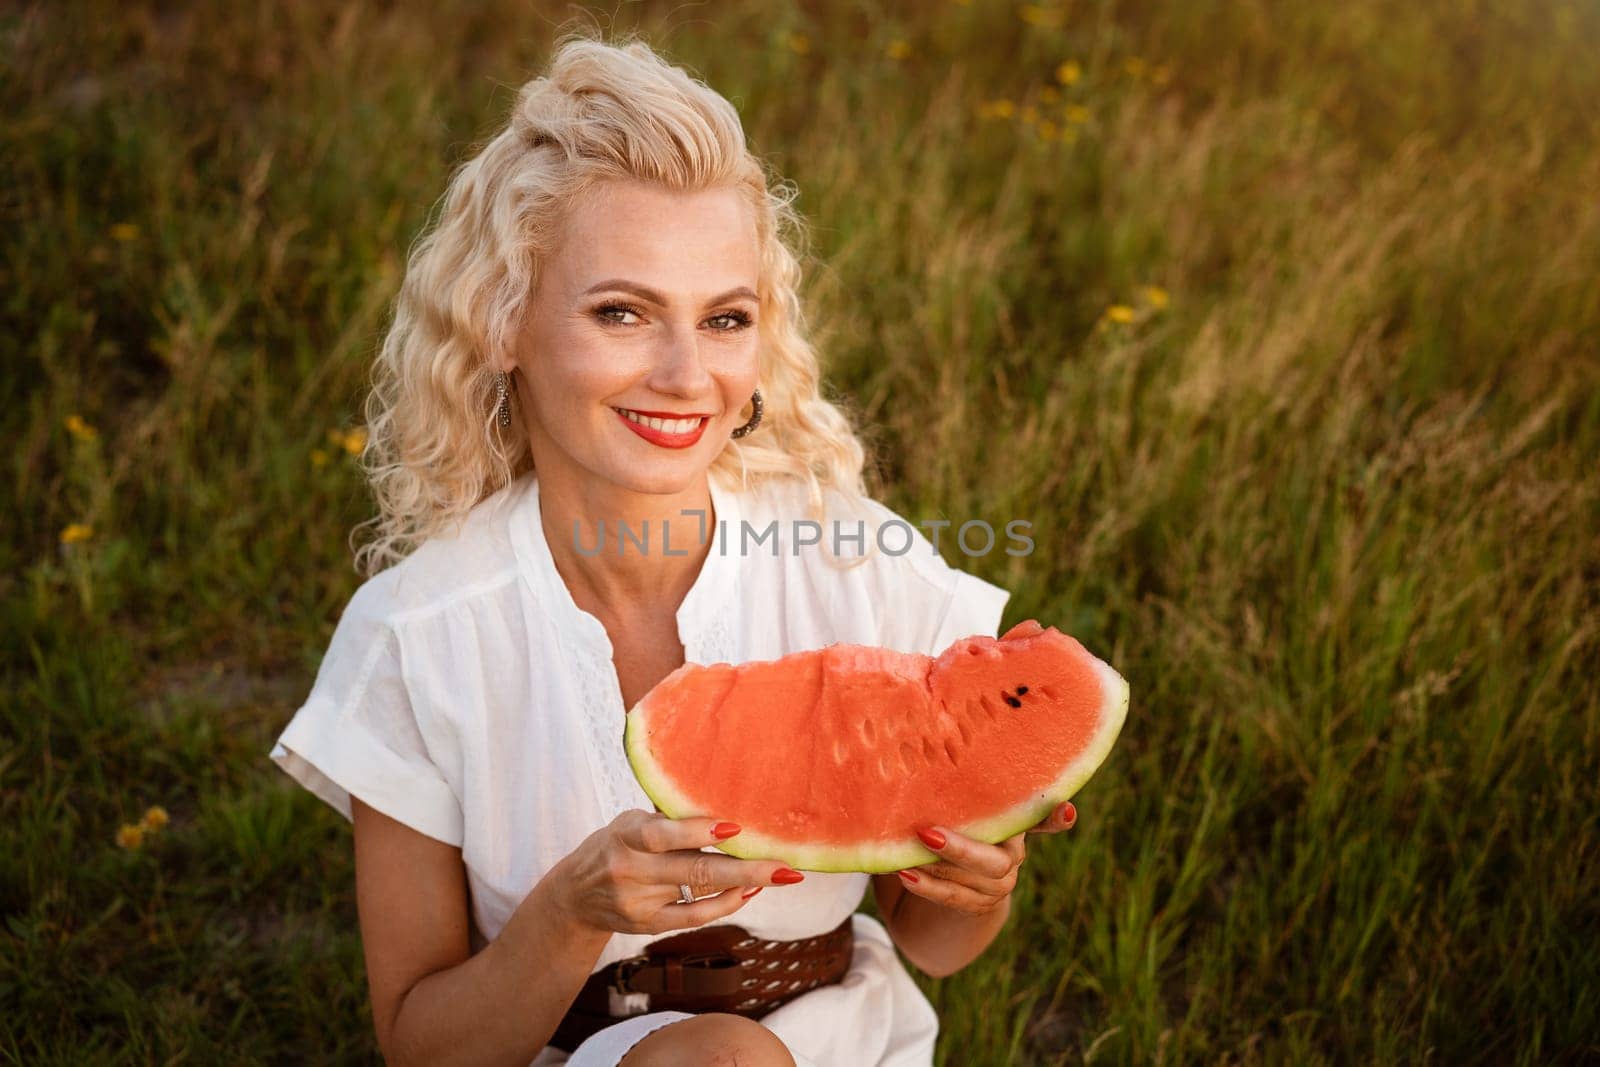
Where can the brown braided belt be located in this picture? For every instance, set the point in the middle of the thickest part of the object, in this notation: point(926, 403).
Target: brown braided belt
point(710, 968)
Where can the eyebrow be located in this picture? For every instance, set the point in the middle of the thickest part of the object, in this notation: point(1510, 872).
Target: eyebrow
point(647, 293)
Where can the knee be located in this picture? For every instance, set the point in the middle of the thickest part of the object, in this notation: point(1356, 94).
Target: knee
point(712, 1038)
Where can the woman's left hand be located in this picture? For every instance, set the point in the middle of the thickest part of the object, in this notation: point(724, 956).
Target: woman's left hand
point(971, 876)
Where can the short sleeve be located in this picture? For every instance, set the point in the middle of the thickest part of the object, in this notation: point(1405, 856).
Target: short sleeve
point(927, 604)
point(973, 606)
point(359, 733)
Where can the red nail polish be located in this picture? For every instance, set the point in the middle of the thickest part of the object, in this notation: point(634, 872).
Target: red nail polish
point(931, 838)
point(724, 829)
point(748, 893)
point(1069, 816)
point(908, 876)
point(786, 876)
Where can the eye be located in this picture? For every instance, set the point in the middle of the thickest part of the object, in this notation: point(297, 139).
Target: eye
point(736, 320)
point(605, 311)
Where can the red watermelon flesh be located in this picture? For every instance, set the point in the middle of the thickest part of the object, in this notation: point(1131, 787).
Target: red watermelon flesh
point(830, 759)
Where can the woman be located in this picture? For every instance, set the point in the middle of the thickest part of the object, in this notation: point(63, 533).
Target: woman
point(602, 332)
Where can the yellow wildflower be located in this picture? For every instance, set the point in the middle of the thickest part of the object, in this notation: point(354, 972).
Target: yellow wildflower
point(1069, 72)
point(155, 818)
point(1030, 114)
point(124, 231)
point(319, 458)
point(1076, 114)
point(351, 441)
point(898, 48)
point(76, 532)
point(799, 44)
point(996, 109)
point(80, 429)
point(1049, 130)
point(1134, 66)
point(1049, 95)
point(1119, 313)
point(130, 836)
point(1160, 75)
point(1155, 296)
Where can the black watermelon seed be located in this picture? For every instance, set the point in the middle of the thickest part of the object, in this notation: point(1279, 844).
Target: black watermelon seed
point(1009, 699)
point(1022, 690)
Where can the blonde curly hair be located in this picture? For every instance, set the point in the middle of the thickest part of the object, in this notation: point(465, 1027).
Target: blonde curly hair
point(602, 112)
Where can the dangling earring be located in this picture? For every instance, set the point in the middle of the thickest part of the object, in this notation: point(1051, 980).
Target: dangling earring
point(755, 418)
point(503, 404)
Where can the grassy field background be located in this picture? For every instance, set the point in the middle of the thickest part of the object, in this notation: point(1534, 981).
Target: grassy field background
point(1279, 321)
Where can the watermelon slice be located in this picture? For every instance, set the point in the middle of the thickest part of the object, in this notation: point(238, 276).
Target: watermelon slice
point(830, 759)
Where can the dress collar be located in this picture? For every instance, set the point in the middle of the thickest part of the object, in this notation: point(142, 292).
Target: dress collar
point(707, 597)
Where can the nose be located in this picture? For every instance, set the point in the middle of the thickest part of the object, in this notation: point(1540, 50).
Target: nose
point(679, 371)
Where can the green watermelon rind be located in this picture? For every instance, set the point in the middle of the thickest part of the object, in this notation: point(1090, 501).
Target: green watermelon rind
point(880, 857)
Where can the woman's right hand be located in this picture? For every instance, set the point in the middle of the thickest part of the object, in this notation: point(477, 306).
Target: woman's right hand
point(624, 877)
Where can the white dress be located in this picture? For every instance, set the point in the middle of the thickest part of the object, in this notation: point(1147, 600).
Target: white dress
point(465, 694)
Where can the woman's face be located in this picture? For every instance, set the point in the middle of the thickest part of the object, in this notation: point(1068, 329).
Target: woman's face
point(647, 310)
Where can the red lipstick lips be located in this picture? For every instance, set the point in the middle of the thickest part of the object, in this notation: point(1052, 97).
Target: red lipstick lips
point(661, 437)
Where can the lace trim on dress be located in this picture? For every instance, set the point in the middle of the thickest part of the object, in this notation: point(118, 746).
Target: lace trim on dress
point(705, 628)
point(605, 717)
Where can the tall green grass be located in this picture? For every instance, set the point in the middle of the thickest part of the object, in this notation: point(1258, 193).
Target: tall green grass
point(1333, 507)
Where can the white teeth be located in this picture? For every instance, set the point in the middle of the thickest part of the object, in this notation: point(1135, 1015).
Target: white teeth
point(673, 426)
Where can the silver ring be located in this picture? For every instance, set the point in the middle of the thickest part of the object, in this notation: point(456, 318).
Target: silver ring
point(685, 894)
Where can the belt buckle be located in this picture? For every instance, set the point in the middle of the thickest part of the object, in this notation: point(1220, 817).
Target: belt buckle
point(625, 970)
